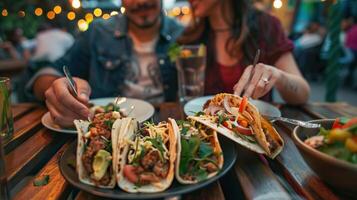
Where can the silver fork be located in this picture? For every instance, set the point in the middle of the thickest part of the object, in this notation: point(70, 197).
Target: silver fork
point(293, 121)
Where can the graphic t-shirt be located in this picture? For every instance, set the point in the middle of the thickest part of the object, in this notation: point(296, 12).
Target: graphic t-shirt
point(143, 79)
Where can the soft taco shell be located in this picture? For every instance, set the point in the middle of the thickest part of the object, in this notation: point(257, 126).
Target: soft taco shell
point(127, 133)
point(229, 134)
point(216, 148)
point(82, 128)
point(255, 119)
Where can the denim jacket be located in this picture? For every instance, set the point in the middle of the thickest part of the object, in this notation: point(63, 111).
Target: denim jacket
point(101, 55)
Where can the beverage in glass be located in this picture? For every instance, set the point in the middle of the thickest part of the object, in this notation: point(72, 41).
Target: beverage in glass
point(191, 65)
point(6, 120)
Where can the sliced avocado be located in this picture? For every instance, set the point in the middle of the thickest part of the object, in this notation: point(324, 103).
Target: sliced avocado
point(100, 164)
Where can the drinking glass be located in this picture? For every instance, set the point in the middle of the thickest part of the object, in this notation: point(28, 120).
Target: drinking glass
point(191, 65)
point(6, 120)
point(4, 192)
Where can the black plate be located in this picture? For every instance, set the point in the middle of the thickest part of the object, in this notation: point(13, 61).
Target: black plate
point(69, 173)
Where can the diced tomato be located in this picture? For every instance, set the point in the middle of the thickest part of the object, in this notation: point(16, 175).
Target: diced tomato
point(129, 173)
point(227, 125)
point(336, 124)
point(243, 104)
point(350, 123)
point(243, 123)
point(242, 130)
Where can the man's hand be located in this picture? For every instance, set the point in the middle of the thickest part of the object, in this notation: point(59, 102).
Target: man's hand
point(63, 106)
point(264, 78)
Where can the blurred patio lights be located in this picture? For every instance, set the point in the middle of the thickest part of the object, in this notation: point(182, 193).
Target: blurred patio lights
point(82, 25)
point(114, 13)
point(22, 13)
point(122, 10)
point(51, 15)
point(89, 17)
point(38, 12)
point(76, 4)
point(97, 12)
point(106, 16)
point(71, 15)
point(4, 12)
point(57, 9)
point(277, 4)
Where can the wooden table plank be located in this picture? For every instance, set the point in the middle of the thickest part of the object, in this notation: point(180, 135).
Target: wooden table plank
point(32, 154)
point(328, 110)
point(57, 188)
point(20, 109)
point(292, 166)
point(211, 192)
point(25, 127)
point(256, 178)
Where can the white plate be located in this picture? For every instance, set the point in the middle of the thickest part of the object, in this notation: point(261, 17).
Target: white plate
point(142, 112)
point(195, 105)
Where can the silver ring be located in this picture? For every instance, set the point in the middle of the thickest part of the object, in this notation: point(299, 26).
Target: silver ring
point(265, 80)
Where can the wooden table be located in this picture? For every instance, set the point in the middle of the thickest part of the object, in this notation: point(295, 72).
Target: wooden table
point(34, 151)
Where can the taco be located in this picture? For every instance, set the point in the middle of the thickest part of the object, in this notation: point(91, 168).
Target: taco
point(146, 156)
point(239, 120)
point(199, 154)
point(96, 148)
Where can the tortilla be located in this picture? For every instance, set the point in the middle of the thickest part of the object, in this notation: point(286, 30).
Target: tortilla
point(268, 142)
point(216, 149)
point(82, 128)
point(127, 132)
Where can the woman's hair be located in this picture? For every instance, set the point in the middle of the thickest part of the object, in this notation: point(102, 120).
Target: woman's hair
point(246, 25)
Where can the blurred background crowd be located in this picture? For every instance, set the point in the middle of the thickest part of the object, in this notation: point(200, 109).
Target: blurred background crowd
point(35, 32)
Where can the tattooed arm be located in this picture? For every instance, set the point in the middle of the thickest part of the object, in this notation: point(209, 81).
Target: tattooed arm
point(292, 87)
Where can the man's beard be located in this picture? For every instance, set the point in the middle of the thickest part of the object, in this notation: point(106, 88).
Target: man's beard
point(146, 22)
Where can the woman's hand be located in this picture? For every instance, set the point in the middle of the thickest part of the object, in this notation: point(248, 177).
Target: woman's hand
point(263, 79)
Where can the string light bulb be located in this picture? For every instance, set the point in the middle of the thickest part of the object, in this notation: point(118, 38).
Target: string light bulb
point(57, 9)
point(76, 4)
point(277, 4)
point(51, 15)
point(89, 17)
point(97, 12)
point(4, 12)
point(38, 12)
point(82, 25)
point(113, 13)
point(22, 13)
point(122, 10)
point(106, 16)
point(71, 16)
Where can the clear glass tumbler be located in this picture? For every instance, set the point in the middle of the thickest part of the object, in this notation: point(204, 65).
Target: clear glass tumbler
point(191, 66)
point(6, 120)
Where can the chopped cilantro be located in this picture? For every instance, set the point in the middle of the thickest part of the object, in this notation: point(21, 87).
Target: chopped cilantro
point(109, 123)
point(205, 150)
point(158, 144)
point(197, 114)
point(201, 174)
point(221, 119)
point(184, 126)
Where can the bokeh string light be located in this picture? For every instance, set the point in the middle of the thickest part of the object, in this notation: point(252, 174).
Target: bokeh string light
point(38, 12)
point(97, 12)
point(71, 16)
point(57, 9)
point(51, 15)
point(4, 12)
